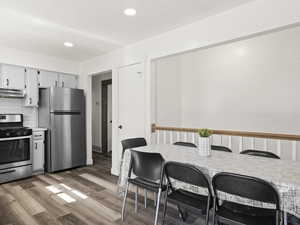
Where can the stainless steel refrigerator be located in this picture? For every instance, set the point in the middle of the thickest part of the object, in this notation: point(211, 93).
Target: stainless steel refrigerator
point(62, 112)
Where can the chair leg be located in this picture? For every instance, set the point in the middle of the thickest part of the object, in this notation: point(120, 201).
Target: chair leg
point(124, 201)
point(182, 214)
point(145, 198)
point(283, 218)
point(207, 210)
point(214, 211)
point(157, 206)
point(165, 208)
point(136, 199)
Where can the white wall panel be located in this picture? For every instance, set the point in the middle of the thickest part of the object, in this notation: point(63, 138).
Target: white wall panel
point(248, 85)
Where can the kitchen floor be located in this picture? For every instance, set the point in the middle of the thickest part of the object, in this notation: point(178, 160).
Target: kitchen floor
point(80, 196)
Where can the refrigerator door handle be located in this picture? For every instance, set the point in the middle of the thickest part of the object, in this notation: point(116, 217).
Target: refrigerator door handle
point(66, 113)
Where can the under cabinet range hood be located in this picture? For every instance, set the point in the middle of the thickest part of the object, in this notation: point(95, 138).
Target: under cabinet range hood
point(11, 93)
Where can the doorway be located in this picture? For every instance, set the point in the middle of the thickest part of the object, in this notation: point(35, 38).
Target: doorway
point(102, 114)
point(106, 107)
point(130, 104)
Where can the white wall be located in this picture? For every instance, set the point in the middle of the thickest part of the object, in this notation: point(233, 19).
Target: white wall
point(249, 19)
point(249, 85)
point(167, 91)
point(97, 109)
point(38, 61)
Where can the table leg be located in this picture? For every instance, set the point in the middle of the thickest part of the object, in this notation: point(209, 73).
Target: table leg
point(285, 218)
point(145, 198)
point(136, 199)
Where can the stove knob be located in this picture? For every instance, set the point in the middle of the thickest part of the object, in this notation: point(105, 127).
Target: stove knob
point(7, 134)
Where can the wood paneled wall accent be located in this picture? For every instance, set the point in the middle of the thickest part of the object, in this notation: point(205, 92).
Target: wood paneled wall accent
point(291, 137)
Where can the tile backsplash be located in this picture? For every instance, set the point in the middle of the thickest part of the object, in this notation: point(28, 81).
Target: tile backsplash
point(10, 105)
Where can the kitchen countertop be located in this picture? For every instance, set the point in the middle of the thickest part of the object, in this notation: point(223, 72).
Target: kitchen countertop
point(38, 129)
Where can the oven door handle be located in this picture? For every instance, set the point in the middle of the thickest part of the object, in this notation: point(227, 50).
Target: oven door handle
point(8, 171)
point(15, 138)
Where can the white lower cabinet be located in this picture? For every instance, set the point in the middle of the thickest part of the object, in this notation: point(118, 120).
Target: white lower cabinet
point(38, 151)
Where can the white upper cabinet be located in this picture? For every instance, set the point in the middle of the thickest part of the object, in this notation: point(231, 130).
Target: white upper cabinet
point(68, 81)
point(12, 77)
point(47, 79)
point(32, 91)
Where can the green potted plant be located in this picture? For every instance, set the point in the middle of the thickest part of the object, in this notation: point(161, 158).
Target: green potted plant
point(204, 141)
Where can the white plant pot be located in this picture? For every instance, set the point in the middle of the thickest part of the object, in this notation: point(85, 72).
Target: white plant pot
point(204, 146)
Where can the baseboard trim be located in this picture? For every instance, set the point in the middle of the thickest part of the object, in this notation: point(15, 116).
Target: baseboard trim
point(89, 162)
point(96, 148)
point(114, 171)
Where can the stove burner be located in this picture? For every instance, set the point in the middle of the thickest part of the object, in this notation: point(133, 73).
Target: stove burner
point(14, 132)
point(11, 125)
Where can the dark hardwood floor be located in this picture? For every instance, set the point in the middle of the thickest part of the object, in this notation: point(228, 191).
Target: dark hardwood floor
point(75, 197)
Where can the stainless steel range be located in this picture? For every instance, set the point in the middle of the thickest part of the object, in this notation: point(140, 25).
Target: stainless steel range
point(15, 148)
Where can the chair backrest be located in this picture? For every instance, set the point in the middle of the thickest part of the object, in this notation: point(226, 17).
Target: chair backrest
point(220, 148)
point(245, 186)
point(186, 173)
point(146, 165)
point(260, 153)
point(133, 143)
point(186, 144)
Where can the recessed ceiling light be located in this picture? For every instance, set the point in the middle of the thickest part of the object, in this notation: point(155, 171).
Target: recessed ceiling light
point(69, 44)
point(130, 12)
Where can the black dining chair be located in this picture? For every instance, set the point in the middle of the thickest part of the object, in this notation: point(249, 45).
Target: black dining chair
point(147, 167)
point(188, 174)
point(186, 144)
point(247, 187)
point(260, 153)
point(292, 220)
point(220, 148)
point(133, 143)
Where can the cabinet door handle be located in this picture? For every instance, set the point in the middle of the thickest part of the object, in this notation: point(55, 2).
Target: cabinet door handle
point(63, 84)
point(7, 82)
point(56, 83)
point(30, 101)
point(36, 146)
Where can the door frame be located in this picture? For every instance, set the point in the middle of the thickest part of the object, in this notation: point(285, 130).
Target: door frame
point(104, 116)
point(86, 83)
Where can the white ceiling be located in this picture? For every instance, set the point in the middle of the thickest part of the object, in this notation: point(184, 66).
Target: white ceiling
point(95, 26)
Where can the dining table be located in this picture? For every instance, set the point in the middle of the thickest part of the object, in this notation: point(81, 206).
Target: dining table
point(284, 175)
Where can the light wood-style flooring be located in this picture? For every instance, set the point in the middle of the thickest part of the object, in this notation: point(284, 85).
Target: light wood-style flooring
point(76, 197)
